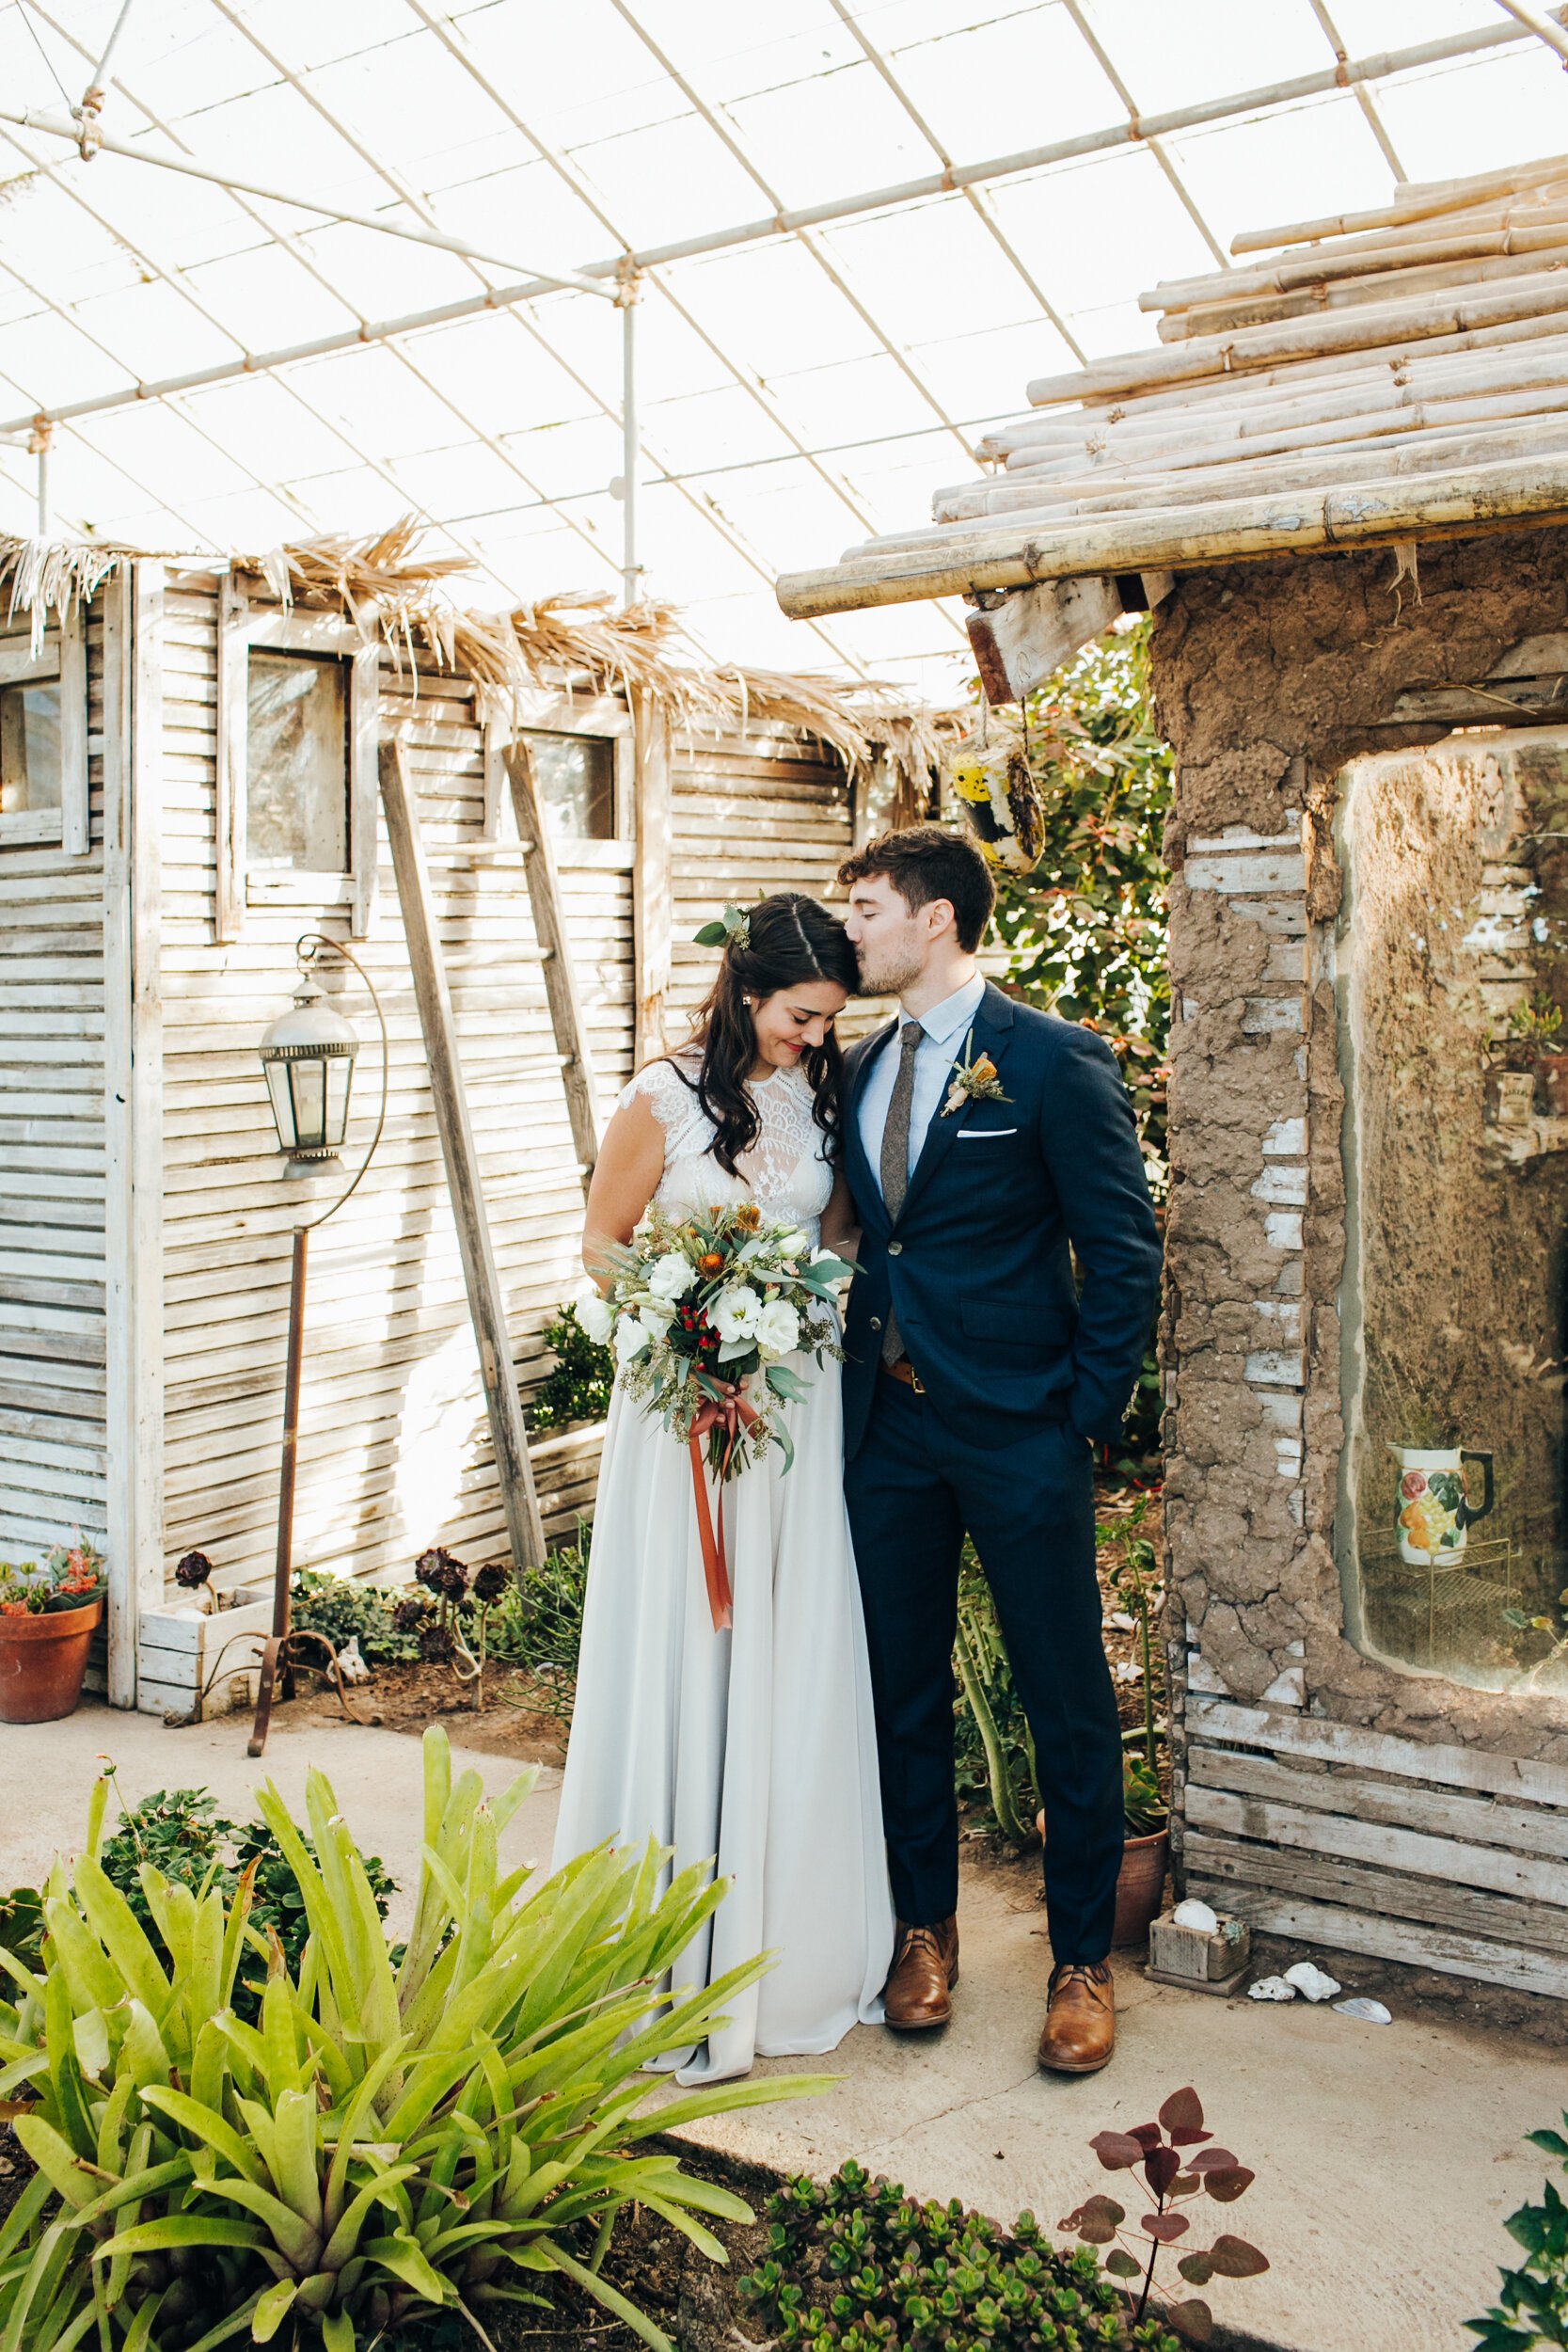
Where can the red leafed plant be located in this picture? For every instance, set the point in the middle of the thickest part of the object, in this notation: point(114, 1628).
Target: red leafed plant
point(1178, 2161)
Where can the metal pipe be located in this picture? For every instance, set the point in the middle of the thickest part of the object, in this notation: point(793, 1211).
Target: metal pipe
point(628, 442)
point(1544, 27)
point(781, 224)
point(92, 97)
point(43, 488)
point(30, 119)
point(277, 1667)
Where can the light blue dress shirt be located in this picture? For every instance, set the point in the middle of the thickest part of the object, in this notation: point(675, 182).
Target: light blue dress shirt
point(945, 1026)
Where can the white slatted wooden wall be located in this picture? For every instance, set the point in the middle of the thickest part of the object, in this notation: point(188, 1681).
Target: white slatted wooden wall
point(52, 1179)
point(394, 1451)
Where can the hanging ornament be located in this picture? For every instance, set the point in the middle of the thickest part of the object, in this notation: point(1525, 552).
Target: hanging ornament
point(989, 775)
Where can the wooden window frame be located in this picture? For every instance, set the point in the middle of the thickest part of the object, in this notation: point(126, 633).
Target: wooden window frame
point(62, 659)
point(541, 712)
point(241, 626)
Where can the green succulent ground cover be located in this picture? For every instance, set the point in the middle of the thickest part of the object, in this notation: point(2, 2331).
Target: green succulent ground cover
point(435, 2130)
point(854, 2264)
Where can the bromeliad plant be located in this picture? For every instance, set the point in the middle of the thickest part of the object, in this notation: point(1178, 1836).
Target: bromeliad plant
point(394, 2139)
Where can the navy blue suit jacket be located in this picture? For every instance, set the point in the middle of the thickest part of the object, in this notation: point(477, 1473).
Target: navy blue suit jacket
point(978, 1265)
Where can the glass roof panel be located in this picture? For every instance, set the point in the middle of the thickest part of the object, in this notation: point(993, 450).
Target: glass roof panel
point(799, 414)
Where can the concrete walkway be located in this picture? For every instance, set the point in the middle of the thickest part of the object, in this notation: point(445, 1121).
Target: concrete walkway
point(1387, 2156)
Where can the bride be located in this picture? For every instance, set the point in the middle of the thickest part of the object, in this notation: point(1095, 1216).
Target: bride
point(753, 1748)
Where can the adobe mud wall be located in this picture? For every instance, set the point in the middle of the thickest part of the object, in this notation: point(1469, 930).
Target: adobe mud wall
point(1268, 678)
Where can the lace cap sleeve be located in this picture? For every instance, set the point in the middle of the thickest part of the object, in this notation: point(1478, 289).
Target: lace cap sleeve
point(667, 1094)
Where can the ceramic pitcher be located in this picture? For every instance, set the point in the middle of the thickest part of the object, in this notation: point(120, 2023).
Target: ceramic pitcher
point(1433, 1510)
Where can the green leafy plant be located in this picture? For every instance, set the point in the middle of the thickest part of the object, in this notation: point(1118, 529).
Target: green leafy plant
point(1534, 2306)
point(1137, 1582)
point(400, 2135)
point(181, 1834)
point(854, 2263)
point(69, 1577)
point(578, 1387)
point(344, 1609)
point(1537, 1021)
point(537, 1624)
point(1086, 931)
point(1178, 2161)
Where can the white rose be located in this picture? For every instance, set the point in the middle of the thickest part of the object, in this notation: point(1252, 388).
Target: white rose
point(632, 1336)
point(778, 1327)
point(733, 1313)
point(671, 1277)
point(596, 1313)
point(791, 1244)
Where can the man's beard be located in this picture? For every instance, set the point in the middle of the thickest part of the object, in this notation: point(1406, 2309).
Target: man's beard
point(890, 972)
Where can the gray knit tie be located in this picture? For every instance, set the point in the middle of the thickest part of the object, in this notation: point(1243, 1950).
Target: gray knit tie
point(895, 1157)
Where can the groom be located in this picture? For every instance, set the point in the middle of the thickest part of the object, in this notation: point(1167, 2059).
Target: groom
point(987, 1145)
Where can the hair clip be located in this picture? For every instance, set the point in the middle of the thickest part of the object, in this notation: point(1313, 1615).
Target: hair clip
point(733, 930)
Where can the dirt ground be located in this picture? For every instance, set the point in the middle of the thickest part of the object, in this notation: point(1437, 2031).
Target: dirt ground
point(514, 1721)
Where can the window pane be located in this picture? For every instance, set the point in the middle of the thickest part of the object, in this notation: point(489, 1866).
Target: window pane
point(297, 811)
point(1453, 959)
point(577, 783)
point(29, 748)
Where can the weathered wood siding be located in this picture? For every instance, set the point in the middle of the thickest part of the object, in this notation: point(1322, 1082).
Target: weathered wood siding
point(1445, 1857)
point(51, 1176)
point(752, 813)
point(394, 1451)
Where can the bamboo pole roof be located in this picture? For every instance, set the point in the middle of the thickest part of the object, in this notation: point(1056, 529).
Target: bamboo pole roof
point(1395, 374)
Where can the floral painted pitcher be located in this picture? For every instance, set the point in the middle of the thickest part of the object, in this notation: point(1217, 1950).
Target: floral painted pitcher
point(1433, 1513)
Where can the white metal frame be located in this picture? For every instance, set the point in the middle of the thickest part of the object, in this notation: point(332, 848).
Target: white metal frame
point(617, 277)
point(241, 626)
point(61, 660)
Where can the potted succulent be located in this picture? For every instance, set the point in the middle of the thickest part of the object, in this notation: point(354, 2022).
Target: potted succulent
point(49, 1612)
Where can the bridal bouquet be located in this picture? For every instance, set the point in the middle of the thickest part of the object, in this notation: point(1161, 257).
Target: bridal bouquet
point(701, 1313)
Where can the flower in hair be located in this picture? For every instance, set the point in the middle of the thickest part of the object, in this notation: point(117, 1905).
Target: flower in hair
point(733, 930)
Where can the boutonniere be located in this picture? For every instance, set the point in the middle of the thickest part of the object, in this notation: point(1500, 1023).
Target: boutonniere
point(974, 1080)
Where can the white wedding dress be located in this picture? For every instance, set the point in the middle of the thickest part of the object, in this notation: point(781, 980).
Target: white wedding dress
point(754, 1747)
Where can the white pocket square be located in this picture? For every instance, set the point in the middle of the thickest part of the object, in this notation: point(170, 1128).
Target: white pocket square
point(984, 1134)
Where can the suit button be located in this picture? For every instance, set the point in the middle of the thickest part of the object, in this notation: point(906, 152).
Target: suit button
point(875, 1323)
point(895, 1249)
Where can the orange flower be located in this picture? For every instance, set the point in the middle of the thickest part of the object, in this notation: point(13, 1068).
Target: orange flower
point(747, 1217)
point(984, 1071)
point(711, 1262)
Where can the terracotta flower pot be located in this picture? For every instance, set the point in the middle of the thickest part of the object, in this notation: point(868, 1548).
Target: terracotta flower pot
point(1140, 1883)
point(1140, 1886)
point(42, 1660)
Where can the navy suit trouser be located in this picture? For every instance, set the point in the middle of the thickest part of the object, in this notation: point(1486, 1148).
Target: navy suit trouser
point(914, 1490)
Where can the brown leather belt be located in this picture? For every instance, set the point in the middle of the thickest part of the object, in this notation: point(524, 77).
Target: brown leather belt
point(903, 1370)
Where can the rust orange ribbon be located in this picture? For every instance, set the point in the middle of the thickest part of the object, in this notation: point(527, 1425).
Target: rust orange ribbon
point(730, 1412)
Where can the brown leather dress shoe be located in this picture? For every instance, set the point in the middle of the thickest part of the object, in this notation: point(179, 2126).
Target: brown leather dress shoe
point(1080, 2021)
point(919, 1990)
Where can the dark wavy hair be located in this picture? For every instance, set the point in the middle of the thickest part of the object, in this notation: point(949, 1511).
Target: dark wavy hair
point(791, 940)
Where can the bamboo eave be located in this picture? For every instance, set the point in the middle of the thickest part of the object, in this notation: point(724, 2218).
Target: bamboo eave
point(1394, 374)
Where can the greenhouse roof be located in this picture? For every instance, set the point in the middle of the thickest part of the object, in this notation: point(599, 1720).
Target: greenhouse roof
point(332, 264)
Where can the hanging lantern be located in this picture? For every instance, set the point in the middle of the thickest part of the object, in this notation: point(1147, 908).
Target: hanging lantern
point(991, 777)
point(307, 1054)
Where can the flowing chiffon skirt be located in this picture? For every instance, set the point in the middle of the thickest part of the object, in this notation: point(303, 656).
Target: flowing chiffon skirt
point(753, 1748)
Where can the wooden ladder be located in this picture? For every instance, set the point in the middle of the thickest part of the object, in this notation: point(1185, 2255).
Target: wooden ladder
point(433, 994)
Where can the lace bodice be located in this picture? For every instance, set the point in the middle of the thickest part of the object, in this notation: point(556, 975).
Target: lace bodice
point(785, 1171)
